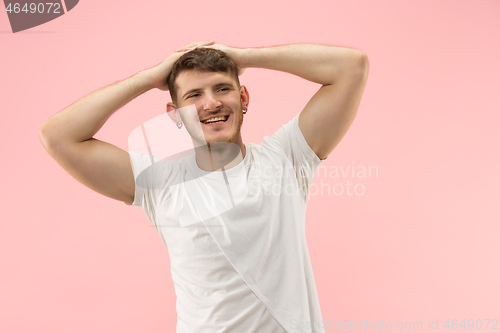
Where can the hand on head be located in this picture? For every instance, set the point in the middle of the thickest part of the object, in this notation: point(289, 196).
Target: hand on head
point(234, 53)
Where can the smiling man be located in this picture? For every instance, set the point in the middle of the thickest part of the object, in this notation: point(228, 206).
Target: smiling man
point(232, 214)
point(207, 79)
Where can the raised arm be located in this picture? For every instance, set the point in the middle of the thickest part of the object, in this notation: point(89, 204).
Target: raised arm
point(68, 135)
point(341, 71)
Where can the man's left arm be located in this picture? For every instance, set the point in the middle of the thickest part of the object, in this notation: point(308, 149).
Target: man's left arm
point(342, 72)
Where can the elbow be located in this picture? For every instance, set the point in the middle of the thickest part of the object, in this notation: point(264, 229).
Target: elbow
point(356, 68)
point(45, 137)
point(41, 131)
point(362, 65)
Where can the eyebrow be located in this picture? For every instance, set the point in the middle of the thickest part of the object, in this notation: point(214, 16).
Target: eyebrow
point(218, 85)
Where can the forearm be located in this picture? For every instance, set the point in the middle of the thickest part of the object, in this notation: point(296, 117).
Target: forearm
point(81, 120)
point(318, 63)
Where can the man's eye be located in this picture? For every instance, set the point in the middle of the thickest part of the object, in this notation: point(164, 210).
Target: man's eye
point(193, 95)
point(222, 89)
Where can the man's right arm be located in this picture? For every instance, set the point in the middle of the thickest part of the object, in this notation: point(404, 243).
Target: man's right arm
point(68, 135)
point(68, 138)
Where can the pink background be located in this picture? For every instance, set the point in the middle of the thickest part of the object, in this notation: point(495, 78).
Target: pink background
point(421, 243)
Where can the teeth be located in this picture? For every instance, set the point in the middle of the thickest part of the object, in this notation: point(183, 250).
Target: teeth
point(214, 119)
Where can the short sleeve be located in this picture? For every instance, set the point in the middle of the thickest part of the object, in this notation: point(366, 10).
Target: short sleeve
point(303, 159)
point(150, 174)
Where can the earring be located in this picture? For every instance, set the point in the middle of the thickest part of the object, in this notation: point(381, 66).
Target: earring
point(245, 111)
point(179, 125)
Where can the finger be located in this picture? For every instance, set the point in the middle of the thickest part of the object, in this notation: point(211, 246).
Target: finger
point(187, 48)
point(204, 43)
point(198, 44)
point(195, 45)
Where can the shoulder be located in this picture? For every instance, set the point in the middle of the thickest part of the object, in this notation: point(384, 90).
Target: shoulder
point(282, 141)
point(153, 169)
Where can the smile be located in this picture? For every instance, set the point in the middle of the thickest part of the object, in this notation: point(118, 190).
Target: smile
point(216, 120)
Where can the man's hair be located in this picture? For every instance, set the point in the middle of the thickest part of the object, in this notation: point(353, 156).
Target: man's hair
point(202, 59)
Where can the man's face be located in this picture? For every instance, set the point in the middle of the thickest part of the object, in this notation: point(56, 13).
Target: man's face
point(214, 95)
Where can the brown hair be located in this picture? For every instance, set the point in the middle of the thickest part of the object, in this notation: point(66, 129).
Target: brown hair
point(202, 59)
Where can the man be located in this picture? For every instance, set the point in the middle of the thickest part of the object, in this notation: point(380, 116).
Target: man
point(235, 232)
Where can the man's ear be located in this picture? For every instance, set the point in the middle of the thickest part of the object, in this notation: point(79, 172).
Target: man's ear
point(173, 113)
point(245, 96)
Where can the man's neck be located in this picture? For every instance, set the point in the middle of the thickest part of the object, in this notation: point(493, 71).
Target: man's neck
point(219, 156)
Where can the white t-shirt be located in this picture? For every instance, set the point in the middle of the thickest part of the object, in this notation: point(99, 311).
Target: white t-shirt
point(236, 238)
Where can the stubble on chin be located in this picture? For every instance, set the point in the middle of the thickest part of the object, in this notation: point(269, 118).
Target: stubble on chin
point(201, 138)
point(231, 137)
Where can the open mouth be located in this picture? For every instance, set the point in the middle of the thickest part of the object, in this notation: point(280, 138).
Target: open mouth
point(216, 120)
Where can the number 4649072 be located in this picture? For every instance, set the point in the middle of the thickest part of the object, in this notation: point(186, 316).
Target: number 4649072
point(471, 323)
point(34, 8)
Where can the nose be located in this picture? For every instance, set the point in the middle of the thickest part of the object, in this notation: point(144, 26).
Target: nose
point(211, 102)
